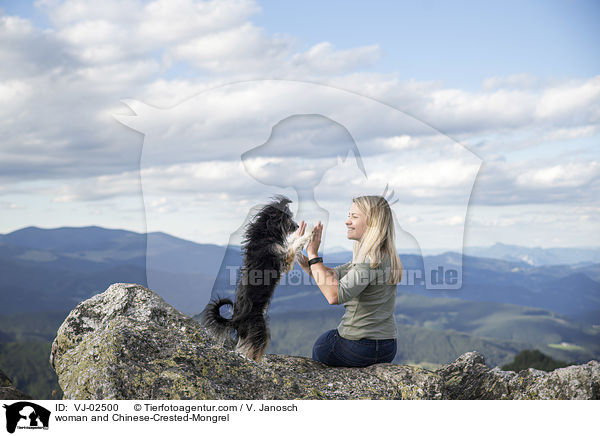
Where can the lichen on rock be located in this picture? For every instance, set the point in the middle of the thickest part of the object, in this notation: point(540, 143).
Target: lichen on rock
point(127, 343)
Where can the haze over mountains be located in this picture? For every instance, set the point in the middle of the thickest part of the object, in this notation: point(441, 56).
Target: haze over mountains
point(538, 256)
point(54, 269)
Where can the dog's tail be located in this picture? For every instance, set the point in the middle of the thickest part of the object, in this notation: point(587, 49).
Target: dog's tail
point(212, 319)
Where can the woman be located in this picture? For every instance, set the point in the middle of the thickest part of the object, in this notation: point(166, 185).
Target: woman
point(366, 286)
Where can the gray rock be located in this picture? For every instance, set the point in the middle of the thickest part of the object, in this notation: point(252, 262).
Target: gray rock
point(127, 343)
point(8, 391)
point(468, 378)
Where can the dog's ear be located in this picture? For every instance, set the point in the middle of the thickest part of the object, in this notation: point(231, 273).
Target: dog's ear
point(281, 202)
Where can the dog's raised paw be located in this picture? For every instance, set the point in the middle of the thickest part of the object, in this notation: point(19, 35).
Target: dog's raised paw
point(310, 230)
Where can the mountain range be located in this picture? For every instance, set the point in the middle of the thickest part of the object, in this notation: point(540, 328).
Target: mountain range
point(54, 269)
point(503, 307)
point(538, 256)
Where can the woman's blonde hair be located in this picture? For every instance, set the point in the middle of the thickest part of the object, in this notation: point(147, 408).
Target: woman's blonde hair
point(378, 240)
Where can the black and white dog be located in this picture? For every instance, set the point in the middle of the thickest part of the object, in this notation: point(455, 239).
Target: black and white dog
point(270, 247)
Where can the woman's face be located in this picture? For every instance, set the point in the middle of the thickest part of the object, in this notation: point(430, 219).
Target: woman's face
point(356, 223)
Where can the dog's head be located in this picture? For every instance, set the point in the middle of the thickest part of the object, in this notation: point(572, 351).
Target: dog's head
point(274, 220)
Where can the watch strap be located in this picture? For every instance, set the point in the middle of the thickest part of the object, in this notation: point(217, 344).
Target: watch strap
point(315, 260)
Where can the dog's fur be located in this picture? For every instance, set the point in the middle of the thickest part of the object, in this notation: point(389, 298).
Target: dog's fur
point(270, 247)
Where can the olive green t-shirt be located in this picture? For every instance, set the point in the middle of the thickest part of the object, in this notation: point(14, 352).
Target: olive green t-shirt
point(369, 300)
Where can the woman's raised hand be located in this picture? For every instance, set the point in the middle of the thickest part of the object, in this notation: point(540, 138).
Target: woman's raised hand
point(312, 248)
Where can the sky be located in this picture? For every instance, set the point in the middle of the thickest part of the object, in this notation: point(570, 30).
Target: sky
point(483, 117)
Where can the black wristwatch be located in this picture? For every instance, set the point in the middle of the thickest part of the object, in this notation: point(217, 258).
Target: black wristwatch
point(314, 260)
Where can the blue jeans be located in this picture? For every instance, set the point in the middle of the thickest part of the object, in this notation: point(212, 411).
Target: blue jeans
point(333, 350)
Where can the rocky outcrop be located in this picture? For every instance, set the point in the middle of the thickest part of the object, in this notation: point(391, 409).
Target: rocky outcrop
point(127, 343)
point(468, 378)
point(8, 391)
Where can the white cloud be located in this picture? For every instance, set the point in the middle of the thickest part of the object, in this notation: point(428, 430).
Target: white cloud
point(13, 93)
point(26, 51)
point(60, 86)
point(10, 205)
point(65, 12)
point(193, 18)
point(455, 220)
point(517, 81)
point(441, 174)
point(562, 175)
point(323, 59)
point(96, 188)
point(241, 48)
point(537, 182)
point(546, 104)
point(575, 101)
point(464, 111)
point(569, 133)
point(401, 142)
point(526, 216)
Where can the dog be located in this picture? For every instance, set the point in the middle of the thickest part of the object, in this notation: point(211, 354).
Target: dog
point(269, 248)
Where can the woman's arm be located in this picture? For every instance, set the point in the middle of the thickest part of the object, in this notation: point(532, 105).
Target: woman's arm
point(325, 277)
point(303, 262)
point(326, 281)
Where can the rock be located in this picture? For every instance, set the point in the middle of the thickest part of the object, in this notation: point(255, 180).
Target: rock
point(468, 378)
point(8, 391)
point(127, 343)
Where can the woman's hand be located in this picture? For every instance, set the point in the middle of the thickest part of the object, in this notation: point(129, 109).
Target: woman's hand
point(312, 248)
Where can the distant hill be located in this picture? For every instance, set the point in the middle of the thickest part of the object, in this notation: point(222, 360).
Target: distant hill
point(564, 289)
point(54, 269)
point(538, 256)
point(534, 359)
point(567, 290)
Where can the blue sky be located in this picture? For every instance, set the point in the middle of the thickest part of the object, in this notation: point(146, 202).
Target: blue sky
point(516, 83)
point(459, 42)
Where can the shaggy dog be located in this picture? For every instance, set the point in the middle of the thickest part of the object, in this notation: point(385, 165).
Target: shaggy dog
point(270, 247)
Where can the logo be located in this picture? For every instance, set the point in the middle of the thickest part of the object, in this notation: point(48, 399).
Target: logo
point(259, 138)
point(26, 415)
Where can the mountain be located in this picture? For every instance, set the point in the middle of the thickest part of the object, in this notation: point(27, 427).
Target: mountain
point(95, 247)
point(538, 256)
point(54, 269)
point(503, 307)
point(564, 289)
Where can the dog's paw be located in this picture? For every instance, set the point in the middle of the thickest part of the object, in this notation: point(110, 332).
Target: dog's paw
point(303, 240)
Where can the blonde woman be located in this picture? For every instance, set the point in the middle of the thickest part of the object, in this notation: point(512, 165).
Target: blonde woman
point(366, 287)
